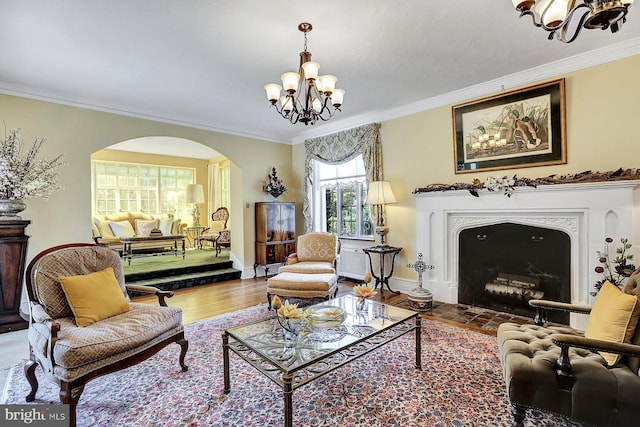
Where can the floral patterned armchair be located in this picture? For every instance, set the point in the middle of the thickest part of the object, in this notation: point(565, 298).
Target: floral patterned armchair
point(217, 233)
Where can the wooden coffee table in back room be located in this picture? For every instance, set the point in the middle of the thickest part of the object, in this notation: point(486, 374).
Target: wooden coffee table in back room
point(262, 345)
point(174, 239)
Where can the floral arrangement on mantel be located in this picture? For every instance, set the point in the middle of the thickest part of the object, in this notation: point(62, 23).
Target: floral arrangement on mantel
point(274, 185)
point(615, 270)
point(507, 184)
point(23, 175)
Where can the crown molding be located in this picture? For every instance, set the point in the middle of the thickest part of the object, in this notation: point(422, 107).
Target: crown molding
point(554, 69)
point(550, 70)
point(22, 92)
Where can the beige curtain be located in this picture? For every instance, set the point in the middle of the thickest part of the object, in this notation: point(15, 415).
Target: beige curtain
point(213, 170)
point(337, 148)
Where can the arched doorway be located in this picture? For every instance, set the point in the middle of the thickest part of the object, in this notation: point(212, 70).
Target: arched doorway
point(150, 174)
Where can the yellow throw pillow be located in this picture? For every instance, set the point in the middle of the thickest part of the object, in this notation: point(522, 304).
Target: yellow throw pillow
point(95, 296)
point(614, 317)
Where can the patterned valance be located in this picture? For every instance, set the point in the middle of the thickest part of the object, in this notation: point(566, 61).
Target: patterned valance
point(340, 147)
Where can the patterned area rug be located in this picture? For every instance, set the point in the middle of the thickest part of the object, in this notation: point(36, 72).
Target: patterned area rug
point(460, 385)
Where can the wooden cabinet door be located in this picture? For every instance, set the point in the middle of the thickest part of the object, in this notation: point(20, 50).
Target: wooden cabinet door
point(275, 231)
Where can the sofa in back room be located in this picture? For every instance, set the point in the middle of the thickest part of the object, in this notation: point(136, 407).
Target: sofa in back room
point(107, 229)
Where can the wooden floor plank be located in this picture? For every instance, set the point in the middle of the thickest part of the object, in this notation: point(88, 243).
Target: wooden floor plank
point(200, 302)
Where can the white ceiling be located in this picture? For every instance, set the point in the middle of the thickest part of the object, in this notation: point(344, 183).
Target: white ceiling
point(203, 63)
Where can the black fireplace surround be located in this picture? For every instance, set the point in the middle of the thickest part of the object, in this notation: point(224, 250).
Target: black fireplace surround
point(503, 266)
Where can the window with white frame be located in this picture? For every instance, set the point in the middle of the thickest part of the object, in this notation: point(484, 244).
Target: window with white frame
point(340, 192)
point(129, 187)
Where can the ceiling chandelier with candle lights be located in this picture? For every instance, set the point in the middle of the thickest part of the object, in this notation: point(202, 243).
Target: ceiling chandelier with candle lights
point(307, 97)
point(566, 18)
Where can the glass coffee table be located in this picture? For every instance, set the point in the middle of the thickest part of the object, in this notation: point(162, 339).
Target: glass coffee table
point(315, 352)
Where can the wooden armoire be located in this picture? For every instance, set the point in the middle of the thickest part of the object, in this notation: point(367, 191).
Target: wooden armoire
point(275, 233)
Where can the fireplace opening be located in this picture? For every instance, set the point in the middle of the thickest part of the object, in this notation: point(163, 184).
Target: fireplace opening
point(503, 266)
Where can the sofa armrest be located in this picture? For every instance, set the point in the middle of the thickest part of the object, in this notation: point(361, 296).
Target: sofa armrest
point(182, 228)
point(593, 344)
point(542, 306)
point(151, 290)
point(565, 341)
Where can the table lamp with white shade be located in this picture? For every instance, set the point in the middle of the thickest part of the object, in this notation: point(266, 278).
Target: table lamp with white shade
point(195, 195)
point(378, 195)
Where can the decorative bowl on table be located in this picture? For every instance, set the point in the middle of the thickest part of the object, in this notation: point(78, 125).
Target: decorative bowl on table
point(325, 316)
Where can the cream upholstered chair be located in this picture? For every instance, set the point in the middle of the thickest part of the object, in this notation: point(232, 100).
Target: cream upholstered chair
point(217, 233)
point(310, 274)
point(591, 376)
point(79, 284)
point(315, 253)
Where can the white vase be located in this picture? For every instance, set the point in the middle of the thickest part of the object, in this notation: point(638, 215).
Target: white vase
point(10, 208)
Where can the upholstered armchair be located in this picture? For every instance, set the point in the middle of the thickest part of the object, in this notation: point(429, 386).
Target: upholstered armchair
point(217, 233)
point(83, 324)
point(315, 253)
point(591, 376)
point(310, 273)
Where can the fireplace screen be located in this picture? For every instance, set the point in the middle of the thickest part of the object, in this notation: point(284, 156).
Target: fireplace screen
point(503, 266)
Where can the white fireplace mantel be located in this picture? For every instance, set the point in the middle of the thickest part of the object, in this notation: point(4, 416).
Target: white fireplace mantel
point(586, 212)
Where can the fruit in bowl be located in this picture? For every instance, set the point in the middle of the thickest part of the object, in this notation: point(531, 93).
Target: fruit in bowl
point(325, 316)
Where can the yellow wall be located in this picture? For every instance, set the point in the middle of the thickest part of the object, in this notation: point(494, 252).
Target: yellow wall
point(602, 111)
point(78, 132)
point(602, 105)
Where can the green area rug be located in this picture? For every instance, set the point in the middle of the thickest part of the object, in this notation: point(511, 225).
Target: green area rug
point(193, 257)
point(460, 385)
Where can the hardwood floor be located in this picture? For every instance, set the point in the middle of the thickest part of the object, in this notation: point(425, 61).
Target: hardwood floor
point(205, 301)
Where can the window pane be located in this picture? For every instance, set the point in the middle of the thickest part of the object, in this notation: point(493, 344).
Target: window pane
point(105, 202)
point(128, 201)
point(121, 187)
point(349, 210)
point(366, 223)
point(330, 195)
point(343, 190)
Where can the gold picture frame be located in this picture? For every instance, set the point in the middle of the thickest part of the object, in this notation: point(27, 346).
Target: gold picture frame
point(516, 129)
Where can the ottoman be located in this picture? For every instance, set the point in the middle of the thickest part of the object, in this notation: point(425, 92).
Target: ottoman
point(303, 288)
